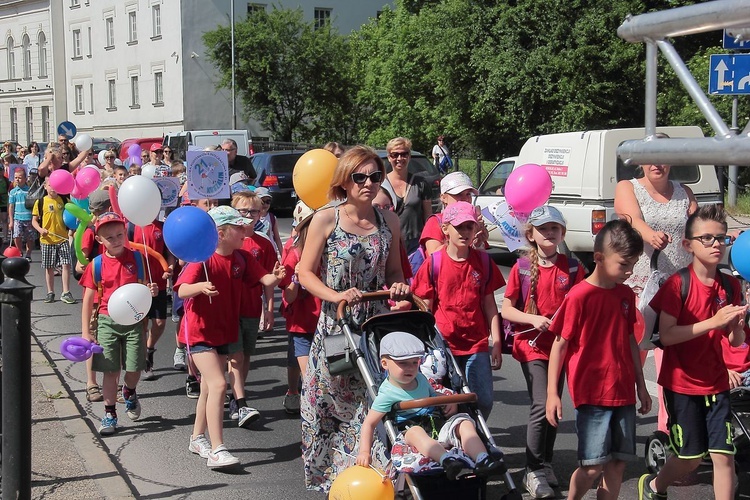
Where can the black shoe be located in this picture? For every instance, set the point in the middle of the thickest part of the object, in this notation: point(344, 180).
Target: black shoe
point(454, 467)
point(193, 389)
point(489, 467)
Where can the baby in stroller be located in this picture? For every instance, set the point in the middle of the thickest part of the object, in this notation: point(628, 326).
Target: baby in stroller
point(425, 429)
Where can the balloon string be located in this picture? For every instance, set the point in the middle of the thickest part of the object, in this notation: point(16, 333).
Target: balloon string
point(205, 269)
point(148, 265)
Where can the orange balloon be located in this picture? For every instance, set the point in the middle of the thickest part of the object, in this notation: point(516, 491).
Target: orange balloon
point(312, 177)
point(361, 483)
point(153, 253)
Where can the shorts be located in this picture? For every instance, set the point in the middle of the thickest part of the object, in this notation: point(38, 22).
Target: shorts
point(443, 431)
point(299, 345)
point(605, 433)
point(123, 347)
point(221, 350)
point(247, 338)
point(55, 255)
point(158, 306)
point(24, 230)
point(699, 425)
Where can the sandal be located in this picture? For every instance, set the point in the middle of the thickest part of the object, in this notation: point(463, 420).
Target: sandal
point(94, 394)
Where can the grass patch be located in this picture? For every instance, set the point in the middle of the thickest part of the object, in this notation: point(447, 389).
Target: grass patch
point(469, 167)
point(742, 207)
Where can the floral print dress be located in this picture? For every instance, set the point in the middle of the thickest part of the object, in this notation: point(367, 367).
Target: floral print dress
point(333, 408)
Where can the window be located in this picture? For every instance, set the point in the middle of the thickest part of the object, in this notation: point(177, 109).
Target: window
point(14, 124)
point(158, 88)
point(29, 124)
point(322, 18)
point(112, 95)
point(42, 42)
point(11, 59)
point(89, 52)
point(75, 3)
point(78, 97)
point(76, 44)
point(132, 28)
point(156, 20)
point(252, 8)
point(109, 28)
point(45, 123)
point(26, 47)
point(134, 103)
point(91, 98)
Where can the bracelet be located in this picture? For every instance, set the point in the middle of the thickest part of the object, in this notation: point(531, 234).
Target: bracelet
point(295, 279)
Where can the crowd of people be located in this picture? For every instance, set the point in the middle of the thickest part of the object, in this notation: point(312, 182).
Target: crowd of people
point(559, 322)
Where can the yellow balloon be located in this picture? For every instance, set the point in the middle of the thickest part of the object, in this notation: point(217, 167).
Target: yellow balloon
point(361, 483)
point(312, 177)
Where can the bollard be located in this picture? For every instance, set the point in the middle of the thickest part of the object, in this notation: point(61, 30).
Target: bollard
point(15, 296)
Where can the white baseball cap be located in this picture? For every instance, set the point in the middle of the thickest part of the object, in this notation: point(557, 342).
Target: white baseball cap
point(456, 182)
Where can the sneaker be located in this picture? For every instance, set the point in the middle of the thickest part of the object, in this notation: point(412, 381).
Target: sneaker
point(29, 259)
point(67, 297)
point(489, 467)
point(148, 373)
point(109, 425)
point(536, 484)
point(234, 412)
point(291, 404)
point(193, 389)
point(644, 489)
point(220, 457)
point(133, 407)
point(200, 445)
point(549, 473)
point(179, 359)
point(455, 466)
point(246, 416)
point(50, 298)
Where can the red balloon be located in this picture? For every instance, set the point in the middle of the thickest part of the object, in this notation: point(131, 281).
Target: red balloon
point(12, 252)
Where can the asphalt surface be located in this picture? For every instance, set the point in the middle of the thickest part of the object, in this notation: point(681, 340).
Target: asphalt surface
point(149, 458)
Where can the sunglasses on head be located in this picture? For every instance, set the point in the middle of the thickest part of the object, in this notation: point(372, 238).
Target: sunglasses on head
point(359, 178)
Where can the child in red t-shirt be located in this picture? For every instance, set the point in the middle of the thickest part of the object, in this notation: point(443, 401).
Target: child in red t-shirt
point(549, 279)
point(253, 304)
point(123, 345)
point(693, 373)
point(461, 295)
point(300, 308)
point(595, 343)
point(210, 326)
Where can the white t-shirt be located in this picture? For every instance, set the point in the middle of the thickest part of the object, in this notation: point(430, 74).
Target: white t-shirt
point(436, 151)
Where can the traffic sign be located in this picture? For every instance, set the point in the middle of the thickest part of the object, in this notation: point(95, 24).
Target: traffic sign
point(67, 129)
point(731, 42)
point(729, 74)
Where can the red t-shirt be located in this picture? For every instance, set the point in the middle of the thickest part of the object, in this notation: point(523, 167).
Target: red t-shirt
point(695, 367)
point(551, 288)
point(217, 322)
point(154, 239)
point(458, 306)
point(432, 230)
point(736, 358)
point(263, 252)
point(116, 271)
point(598, 324)
point(302, 314)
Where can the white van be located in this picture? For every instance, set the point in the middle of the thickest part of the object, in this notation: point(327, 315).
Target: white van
point(585, 170)
point(180, 141)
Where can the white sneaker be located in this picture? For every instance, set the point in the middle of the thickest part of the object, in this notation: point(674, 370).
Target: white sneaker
point(200, 445)
point(221, 457)
point(536, 484)
point(133, 407)
point(179, 359)
point(291, 403)
point(246, 416)
point(549, 474)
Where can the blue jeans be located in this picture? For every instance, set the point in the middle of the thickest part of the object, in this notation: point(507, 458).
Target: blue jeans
point(478, 372)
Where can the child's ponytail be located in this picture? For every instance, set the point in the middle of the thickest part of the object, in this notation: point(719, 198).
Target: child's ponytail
point(533, 255)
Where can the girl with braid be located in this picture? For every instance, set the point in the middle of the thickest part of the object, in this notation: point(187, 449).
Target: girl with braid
point(537, 285)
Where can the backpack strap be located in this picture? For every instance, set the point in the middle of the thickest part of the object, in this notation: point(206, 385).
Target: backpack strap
point(131, 231)
point(524, 273)
point(96, 271)
point(684, 283)
point(435, 258)
point(139, 266)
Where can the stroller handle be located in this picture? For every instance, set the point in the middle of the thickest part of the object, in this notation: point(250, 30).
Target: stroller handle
point(380, 295)
point(468, 397)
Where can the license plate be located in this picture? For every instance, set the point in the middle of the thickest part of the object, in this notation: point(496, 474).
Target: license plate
point(294, 194)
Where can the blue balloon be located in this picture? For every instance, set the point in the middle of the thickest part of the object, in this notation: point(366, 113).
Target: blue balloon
point(739, 255)
point(190, 234)
point(83, 202)
point(70, 220)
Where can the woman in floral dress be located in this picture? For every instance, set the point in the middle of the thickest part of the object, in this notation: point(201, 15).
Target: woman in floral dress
point(349, 247)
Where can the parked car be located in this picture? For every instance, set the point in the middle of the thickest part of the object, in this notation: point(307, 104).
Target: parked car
point(143, 142)
point(274, 169)
point(419, 164)
point(105, 144)
point(180, 142)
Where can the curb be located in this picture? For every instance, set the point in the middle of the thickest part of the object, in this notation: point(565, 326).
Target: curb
point(94, 456)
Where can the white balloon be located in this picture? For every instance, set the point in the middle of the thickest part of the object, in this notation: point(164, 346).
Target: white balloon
point(100, 157)
point(129, 304)
point(149, 170)
point(140, 200)
point(83, 142)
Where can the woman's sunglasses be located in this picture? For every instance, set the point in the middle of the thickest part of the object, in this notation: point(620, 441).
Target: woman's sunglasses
point(359, 178)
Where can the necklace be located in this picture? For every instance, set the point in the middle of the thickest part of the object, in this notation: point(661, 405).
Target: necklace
point(356, 223)
point(545, 260)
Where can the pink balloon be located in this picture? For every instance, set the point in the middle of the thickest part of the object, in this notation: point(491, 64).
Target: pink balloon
point(88, 181)
point(528, 186)
point(62, 181)
point(76, 193)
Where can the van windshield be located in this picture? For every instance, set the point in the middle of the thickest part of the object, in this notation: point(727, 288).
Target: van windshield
point(684, 174)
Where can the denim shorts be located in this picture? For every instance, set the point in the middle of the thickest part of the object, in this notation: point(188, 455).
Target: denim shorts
point(477, 369)
point(221, 350)
point(299, 345)
point(605, 433)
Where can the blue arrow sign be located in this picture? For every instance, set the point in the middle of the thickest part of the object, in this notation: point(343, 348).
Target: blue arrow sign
point(729, 74)
point(67, 129)
point(730, 42)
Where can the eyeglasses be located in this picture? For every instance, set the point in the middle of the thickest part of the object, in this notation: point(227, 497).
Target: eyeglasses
point(399, 154)
point(109, 157)
point(359, 178)
point(229, 149)
point(167, 150)
point(246, 211)
point(708, 240)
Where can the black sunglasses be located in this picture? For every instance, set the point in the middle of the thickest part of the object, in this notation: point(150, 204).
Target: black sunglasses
point(359, 178)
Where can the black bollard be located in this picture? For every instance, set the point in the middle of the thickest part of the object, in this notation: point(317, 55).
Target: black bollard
point(15, 296)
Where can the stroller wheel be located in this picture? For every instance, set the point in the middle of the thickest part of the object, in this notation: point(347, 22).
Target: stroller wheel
point(657, 451)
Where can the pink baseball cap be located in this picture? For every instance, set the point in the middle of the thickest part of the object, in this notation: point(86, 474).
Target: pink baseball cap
point(457, 213)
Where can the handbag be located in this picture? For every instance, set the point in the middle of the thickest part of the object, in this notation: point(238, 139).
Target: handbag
point(339, 353)
point(36, 192)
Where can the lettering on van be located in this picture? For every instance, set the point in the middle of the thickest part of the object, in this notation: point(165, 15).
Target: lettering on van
point(556, 161)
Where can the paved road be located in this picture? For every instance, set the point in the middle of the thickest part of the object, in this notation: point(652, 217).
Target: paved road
point(153, 454)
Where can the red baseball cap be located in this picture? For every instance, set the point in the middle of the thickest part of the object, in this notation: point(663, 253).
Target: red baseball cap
point(107, 218)
point(157, 147)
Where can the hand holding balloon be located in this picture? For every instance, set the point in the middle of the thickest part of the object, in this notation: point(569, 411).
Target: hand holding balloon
point(78, 349)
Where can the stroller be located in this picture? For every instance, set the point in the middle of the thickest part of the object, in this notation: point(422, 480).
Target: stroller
point(365, 353)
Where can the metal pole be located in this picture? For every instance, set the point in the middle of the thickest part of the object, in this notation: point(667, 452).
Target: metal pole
point(479, 170)
point(651, 80)
point(733, 169)
point(15, 296)
point(234, 103)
